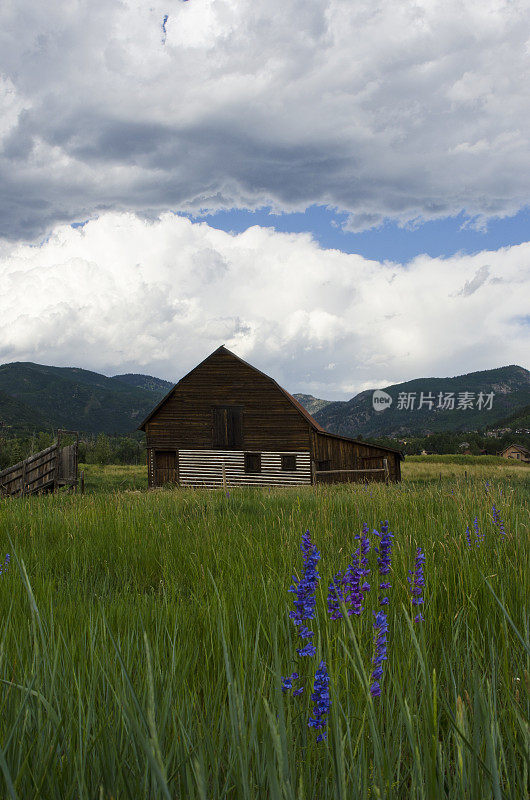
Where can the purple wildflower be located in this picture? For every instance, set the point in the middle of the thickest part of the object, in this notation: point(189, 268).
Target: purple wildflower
point(335, 596)
point(308, 650)
point(479, 537)
point(287, 683)
point(355, 587)
point(385, 552)
point(499, 522)
point(380, 654)
point(322, 702)
point(305, 633)
point(304, 589)
point(468, 537)
point(5, 566)
point(417, 582)
point(364, 550)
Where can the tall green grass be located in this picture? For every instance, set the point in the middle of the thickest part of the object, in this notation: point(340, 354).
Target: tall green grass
point(143, 637)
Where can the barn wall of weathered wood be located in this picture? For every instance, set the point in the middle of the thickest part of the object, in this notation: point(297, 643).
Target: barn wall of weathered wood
point(186, 420)
point(332, 453)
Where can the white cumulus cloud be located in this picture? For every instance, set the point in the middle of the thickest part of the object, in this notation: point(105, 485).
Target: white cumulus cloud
point(125, 294)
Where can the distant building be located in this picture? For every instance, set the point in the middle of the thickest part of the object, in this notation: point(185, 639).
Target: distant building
point(226, 423)
point(517, 451)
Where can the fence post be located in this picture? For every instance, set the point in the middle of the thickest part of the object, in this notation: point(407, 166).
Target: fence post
point(23, 487)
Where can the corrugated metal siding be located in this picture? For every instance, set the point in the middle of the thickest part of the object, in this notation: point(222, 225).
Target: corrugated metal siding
point(205, 468)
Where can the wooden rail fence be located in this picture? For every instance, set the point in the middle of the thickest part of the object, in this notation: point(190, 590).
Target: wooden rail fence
point(383, 473)
point(44, 471)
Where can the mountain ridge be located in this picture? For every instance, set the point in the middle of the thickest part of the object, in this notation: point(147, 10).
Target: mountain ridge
point(511, 391)
point(74, 398)
point(35, 396)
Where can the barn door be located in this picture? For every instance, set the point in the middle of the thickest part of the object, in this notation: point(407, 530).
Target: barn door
point(166, 468)
point(228, 428)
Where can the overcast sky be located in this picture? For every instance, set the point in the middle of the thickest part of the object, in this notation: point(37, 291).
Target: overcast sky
point(337, 190)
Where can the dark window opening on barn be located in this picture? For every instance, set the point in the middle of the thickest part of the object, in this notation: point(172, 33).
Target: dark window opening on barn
point(253, 462)
point(228, 428)
point(323, 466)
point(288, 463)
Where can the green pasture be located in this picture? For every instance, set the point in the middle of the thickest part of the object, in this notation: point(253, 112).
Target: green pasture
point(143, 637)
point(424, 469)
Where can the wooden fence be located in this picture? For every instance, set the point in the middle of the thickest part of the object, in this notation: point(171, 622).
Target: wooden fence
point(44, 471)
point(365, 475)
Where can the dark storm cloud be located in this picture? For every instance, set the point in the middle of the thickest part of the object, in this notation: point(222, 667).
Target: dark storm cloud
point(409, 111)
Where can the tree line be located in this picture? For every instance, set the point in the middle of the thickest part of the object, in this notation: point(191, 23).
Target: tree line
point(104, 449)
point(100, 449)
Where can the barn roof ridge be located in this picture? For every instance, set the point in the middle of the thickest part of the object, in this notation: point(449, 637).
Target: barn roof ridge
point(299, 407)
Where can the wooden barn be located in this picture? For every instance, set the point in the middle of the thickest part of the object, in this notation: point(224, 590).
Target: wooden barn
point(226, 423)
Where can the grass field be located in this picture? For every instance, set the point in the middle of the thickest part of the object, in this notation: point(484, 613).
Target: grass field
point(144, 637)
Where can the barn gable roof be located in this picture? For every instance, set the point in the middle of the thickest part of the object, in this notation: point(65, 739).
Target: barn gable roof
point(299, 407)
point(301, 410)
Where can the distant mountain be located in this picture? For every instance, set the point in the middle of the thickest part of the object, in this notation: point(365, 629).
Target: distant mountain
point(39, 397)
point(312, 404)
point(146, 382)
point(510, 387)
point(19, 416)
point(520, 420)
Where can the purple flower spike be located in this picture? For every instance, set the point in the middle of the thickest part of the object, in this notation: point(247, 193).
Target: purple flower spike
point(385, 553)
point(308, 650)
point(287, 683)
point(304, 589)
point(417, 582)
point(468, 537)
point(352, 593)
point(335, 596)
point(305, 633)
point(479, 537)
point(355, 587)
point(322, 701)
point(380, 652)
point(499, 522)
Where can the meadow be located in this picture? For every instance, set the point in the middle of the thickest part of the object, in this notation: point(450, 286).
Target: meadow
point(144, 637)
